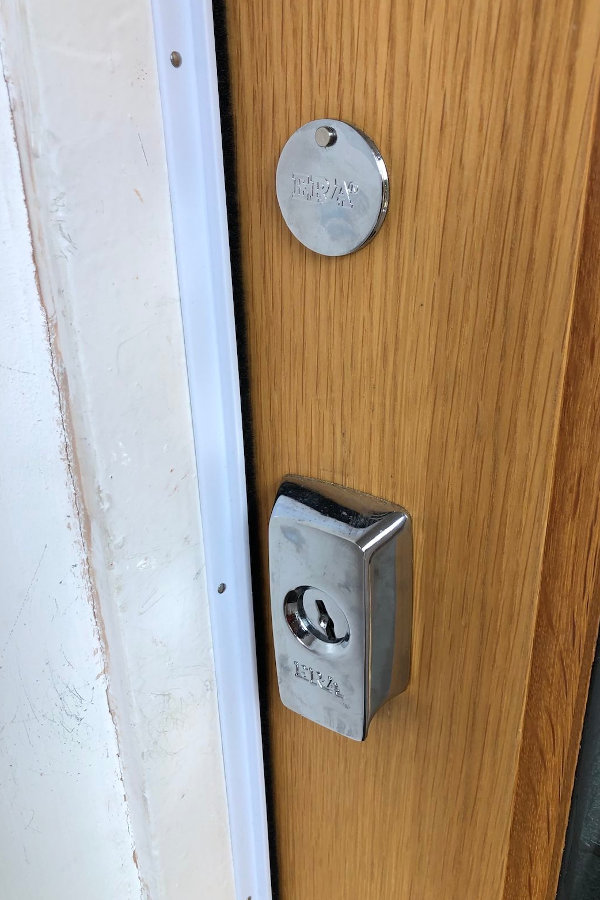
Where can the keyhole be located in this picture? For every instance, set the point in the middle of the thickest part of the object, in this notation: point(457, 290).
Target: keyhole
point(315, 618)
point(325, 620)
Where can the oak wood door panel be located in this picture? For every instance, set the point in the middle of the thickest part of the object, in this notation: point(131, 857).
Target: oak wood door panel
point(428, 368)
point(569, 602)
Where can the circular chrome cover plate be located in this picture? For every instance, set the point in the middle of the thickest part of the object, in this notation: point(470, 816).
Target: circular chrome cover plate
point(332, 187)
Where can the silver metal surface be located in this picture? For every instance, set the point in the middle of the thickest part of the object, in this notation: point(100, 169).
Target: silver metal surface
point(325, 136)
point(340, 566)
point(332, 187)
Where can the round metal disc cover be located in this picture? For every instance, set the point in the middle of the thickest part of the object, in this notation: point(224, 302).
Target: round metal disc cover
point(332, 187)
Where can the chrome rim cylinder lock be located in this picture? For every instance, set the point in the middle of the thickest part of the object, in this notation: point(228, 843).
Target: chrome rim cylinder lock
point(340, 566)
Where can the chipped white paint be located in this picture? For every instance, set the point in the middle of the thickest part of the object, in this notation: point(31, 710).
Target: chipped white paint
point(107, 663)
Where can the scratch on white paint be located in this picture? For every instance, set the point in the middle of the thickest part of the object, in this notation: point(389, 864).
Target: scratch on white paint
point(23, 604)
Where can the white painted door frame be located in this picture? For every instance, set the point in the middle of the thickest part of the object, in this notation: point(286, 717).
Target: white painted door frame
point(192, 128)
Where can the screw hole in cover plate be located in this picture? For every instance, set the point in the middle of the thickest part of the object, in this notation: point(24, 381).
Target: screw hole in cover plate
point(312, 615)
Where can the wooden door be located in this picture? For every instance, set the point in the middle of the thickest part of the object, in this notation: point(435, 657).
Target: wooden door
point(451, 366)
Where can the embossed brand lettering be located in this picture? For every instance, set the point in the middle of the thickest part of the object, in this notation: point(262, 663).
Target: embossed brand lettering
point(319, 189)
point(325, 682)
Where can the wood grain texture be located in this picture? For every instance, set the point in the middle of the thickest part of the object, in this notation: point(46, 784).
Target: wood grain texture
point(569, 607)
point(428, 369)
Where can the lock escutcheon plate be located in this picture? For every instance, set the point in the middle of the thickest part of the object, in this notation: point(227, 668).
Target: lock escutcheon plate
point(341, 602)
